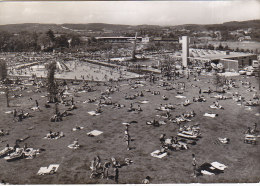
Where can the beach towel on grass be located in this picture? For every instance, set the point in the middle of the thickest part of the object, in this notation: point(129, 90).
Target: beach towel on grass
point(180, 96)
point(93, 113)
point(94, 133)
point(156, 154)
point(210, 115)
point(47, 170)
point(144, 102)
point(218, 165)
point(42, 171)
point(9, 112)
point(207, 172)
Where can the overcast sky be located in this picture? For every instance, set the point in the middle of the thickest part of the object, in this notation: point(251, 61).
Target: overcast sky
point(130, 12)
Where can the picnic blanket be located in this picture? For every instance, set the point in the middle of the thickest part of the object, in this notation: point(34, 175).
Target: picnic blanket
point(93, 113)
point(48, 170)
point(94, 133)
point(9, 112)
point(210, 115)
point(157, 155)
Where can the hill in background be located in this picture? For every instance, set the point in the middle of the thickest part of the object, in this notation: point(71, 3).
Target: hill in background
point(68, 28)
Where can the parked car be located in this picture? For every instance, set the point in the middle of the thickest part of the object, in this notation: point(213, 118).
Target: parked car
point(255, 64)
point(242, 72)
point(250, 72)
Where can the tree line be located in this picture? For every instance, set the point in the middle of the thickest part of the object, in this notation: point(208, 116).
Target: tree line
point(225, 48)
point(32, 42)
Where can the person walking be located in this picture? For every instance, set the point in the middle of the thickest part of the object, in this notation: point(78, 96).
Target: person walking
point(127, 137)
point(72, 101)
point(14, 114)
point(116, 174)
point(36, 103)
point(105, 169)
point(194, 165)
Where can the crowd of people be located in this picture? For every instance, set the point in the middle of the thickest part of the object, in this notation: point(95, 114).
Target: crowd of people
point(168, 110)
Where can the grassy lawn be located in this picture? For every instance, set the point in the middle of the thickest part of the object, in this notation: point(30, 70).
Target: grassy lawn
point(242, 159)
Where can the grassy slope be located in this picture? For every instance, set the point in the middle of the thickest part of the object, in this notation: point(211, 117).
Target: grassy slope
point(242, 159)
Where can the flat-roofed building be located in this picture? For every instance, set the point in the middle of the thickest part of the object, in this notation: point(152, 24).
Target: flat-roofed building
point(118, 39)
point(214, 56)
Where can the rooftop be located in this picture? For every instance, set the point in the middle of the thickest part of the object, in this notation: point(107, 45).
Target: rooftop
point(215, 54)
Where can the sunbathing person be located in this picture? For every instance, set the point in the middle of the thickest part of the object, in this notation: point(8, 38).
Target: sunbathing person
point(91, 100)
point(164, 97)
point(186, 103)
point(153, 122)
point(139, 108)
point(169, 106)
point(131, 108)
point(248, 131)
point(7, 147)
point(50, 134)
point(168, 115)
point(254, 130)
point(250, 103)
point(255, 96)
point(75, 144)
point(72, 107)
point(98, 110)
point(2, 132)
point(162, 138)
point(162, 150)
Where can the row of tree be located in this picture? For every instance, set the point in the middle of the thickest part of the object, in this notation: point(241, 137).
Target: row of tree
point(225, 48)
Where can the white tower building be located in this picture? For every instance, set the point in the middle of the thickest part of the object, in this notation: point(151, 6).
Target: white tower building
point(185, 50)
